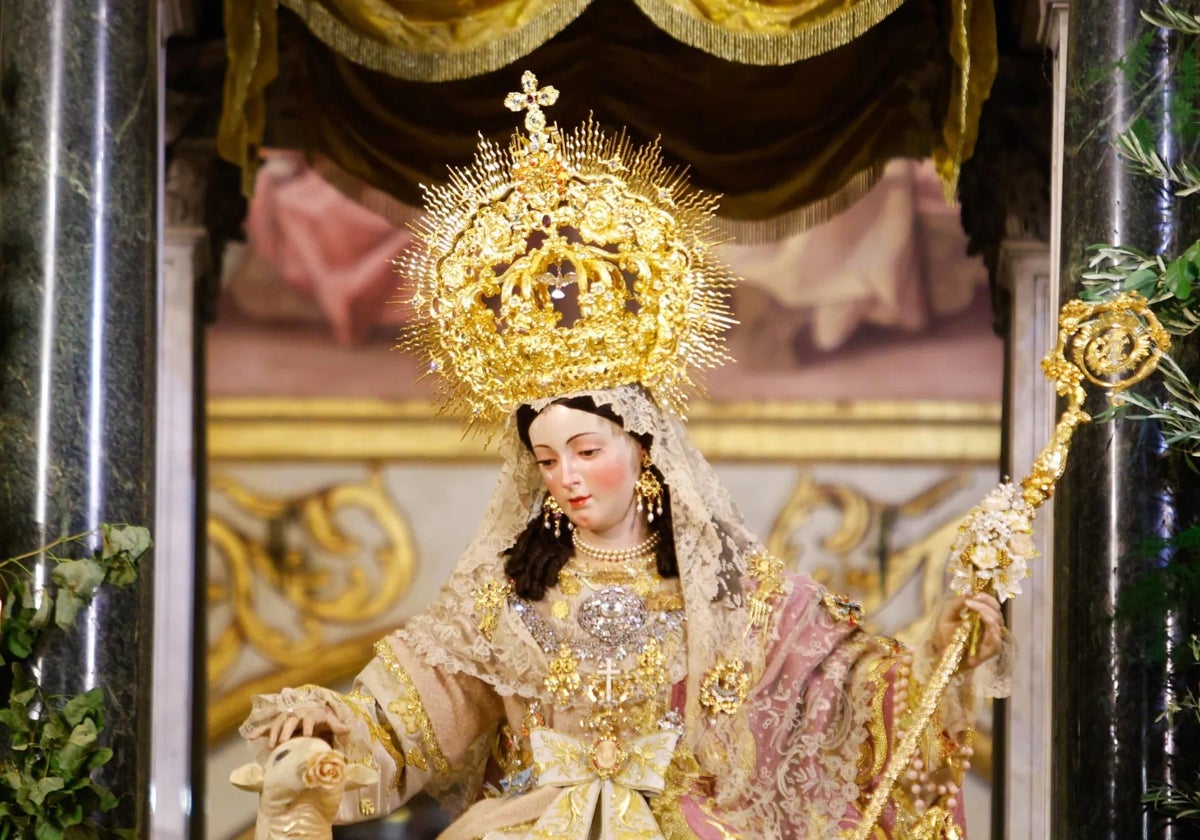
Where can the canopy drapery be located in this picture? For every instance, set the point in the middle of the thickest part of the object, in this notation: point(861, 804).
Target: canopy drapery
point(788, 109)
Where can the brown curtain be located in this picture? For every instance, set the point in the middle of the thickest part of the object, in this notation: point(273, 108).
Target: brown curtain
point(780, 142)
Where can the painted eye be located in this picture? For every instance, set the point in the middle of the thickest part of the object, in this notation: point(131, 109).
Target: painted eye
point(279, 755)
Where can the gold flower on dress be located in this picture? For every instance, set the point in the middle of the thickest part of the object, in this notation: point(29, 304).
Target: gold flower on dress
point(651, 671)
point(563, 679)
point(725, 686)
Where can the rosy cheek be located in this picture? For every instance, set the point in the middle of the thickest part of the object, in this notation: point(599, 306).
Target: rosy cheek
point(609, 476)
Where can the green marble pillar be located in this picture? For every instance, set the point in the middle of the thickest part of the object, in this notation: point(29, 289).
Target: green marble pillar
point(78, 184)
point(1114, 668)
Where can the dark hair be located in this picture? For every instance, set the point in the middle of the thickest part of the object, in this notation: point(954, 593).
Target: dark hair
point(535, 559)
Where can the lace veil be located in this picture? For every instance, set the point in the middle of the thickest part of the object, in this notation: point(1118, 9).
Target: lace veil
point(711, 545)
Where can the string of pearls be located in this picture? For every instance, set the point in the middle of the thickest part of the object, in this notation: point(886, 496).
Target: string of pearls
point(615, 555)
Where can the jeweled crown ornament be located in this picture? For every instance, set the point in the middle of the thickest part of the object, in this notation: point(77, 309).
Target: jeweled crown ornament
point(567, 262)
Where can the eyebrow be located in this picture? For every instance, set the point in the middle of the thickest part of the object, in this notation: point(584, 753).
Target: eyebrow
point(571, 438)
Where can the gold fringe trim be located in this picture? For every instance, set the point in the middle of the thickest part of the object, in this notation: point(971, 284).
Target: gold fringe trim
point(428, 66)
point(807, 217)
point(768, 48)
point(737, 231)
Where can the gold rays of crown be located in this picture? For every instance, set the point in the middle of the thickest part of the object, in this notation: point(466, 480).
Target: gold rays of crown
point(507, 240)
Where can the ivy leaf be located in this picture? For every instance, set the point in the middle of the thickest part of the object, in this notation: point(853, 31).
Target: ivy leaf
point(77, 581)
point(99, 758)
point(131, 540)
point(45, 831)
point(43, 787)
point(23, 692)
point(54, 729)
point(19, 639)
point(82, 706)
point(80, 577)
point(107, 800)
point(120, 571)
point(70, 816)
point(85, 734)
point(67, 606)
point(13, 720)
point(82, 741)
point(41, 618)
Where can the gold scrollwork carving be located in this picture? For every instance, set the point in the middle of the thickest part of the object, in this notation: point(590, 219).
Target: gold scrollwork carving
point(274, 599)
point(859, 517)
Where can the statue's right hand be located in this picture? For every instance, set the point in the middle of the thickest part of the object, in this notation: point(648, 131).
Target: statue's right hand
point(311, 722)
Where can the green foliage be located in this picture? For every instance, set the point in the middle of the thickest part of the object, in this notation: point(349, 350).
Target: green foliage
point(1161, 591)
point(1171, 582)
point(1178, 414)
point(1134, 65)
point(1171, 288)
point(1180, 803)
point(1182, 102)
point(53, 743)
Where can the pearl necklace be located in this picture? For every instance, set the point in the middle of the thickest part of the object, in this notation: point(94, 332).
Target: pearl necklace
point(616, 555)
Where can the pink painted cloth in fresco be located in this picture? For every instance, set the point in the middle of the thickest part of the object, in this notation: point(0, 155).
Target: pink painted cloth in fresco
point(325, 246)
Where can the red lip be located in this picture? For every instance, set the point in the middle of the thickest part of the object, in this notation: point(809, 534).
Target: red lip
point(578, 501)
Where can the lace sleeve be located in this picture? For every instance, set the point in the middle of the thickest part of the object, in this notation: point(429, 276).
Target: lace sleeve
point(418, 726)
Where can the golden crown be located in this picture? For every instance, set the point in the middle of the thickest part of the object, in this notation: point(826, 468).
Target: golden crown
point(562, 264)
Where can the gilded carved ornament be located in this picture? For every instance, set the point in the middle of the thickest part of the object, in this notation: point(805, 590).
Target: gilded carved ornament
point(263, 576)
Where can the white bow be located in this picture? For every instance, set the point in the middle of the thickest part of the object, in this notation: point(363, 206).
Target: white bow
point(608, 773)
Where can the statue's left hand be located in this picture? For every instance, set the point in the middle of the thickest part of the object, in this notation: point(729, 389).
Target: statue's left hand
point(320, 722)
point(991, 626)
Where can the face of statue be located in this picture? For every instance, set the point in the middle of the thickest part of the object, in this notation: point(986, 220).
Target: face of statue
point(590, 466)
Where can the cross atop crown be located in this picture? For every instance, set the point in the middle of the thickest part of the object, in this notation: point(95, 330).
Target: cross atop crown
point(531, 99)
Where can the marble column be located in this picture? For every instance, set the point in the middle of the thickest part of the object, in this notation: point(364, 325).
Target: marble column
point(78, 221)
point(1123, 486)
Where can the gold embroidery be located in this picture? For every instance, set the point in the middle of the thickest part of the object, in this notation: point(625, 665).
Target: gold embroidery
point(876, 748)
point(489, 600)
point(357, 701)
point(725, 833)
point(679, 779)
point(366, 807)
point(935, 824)
point(410, 710)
